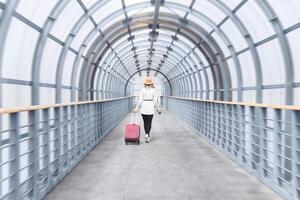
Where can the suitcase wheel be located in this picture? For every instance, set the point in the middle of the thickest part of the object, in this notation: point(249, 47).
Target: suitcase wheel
point(138, 142)
point(125, 142)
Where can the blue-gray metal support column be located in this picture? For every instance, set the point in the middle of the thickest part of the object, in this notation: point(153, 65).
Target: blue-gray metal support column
point(15, 156)
point(5, 22)
point(38, 51)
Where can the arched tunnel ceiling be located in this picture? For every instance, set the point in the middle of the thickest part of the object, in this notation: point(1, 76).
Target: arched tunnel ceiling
point(210, 49)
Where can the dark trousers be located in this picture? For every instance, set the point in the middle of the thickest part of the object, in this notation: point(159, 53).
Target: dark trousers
point(147, 123)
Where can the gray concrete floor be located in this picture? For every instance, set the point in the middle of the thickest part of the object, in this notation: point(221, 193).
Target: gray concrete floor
point(177, 164)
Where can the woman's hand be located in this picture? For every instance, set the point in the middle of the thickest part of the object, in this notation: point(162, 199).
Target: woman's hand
point(158, 111)
point(135, 110)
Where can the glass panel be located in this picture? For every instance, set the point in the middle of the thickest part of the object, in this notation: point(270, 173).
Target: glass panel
point(186, 41)
point(130, 2)
point(49, 63)
point(258, 25)
point(47, 96)
point(234, 96)
point(221, 44)
point(16, 95)
point(186, 2)
point(66, 96)
point(297, 96)
point(249, 96)
point(200, 23)
point(89, 3)
point(211, 95)
point(181, 49)
point(68, 66)
point(178, 13)
point(273, 70)
point(96, 77)
point(113, 21)
point(209, 10)
point(234, 35)
point(202, 58)
point(273, 96)
point(67, 19)
point(92, 40)
point(85, 29)
point(36, 11)
point(102, 13)
point(79, 72)
point(287, 11)
point(294, 41)
point(20, 43)
point(131, 12)
point(166, 10)
point(248, 70)
point(210, 79)
point(125, 49)
point(120, 43)
point(233, 75)
point(232, 3)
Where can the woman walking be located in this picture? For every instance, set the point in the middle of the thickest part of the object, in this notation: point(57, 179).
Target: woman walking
point(148, 101)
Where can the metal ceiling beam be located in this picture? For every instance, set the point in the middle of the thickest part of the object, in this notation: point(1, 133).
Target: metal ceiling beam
point(154, 34)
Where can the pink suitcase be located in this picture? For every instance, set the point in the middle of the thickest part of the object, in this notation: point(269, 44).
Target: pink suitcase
point(132, 132)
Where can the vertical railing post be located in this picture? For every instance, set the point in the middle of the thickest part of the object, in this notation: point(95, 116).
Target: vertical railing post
point(102, 119)
point(227, 131)
point(57, 141)
point(214, 122)
point(65, 138)
point(238, 120)
point(72, 134)
point(277, 142)
point(98, 121)
point(261, 114)
point(222, 126)
point(33, 133)
point(253, 130)
point(243, 135)
point(46, 138)
point(15, 152)
point(295, 153)
point(89, 129)
point(79, 132)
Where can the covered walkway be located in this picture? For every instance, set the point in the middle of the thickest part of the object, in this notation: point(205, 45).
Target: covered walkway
point(177, 165)
point(227, 70)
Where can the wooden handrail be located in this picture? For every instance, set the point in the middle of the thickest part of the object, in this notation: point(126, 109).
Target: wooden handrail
point(40, 107)
point(283, 107)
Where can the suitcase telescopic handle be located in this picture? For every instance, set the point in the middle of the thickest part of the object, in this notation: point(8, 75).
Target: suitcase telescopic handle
point(131, 119)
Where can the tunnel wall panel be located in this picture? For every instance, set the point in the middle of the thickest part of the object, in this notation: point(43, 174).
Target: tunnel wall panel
point(234, 35)
point(257, 25)
point(272, 63)
point(16, 95)
point(66, 20)
point(18, 54)
point(79, 38)
point(36, 10)
point(30, 18)
point(287, 11)
point(294, 40)
point(49, 63)
point(247, 67)
point(68, 67)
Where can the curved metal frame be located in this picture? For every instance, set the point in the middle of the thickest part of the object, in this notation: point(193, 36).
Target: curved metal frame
point(184, 22)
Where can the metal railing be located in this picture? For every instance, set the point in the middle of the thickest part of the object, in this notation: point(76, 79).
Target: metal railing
point(264, 139)
point(41, 144)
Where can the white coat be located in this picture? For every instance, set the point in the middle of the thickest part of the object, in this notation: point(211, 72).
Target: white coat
point(148, 101)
